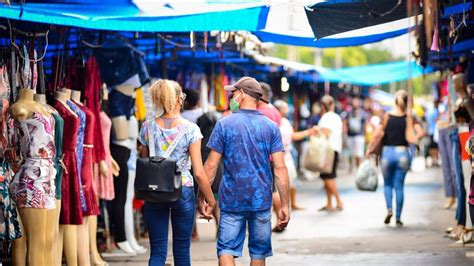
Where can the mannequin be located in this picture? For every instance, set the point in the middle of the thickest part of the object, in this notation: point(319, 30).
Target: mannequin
point(68, 231)
point(120, 99)
point(120, 123)
point(83, 229)
point(37, 230)
point(129, 225)
point(53, 216)
point(460, 86)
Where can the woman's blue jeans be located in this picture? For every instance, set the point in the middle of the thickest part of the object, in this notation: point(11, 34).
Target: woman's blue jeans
point(182, 219)
point(395, 162)
point(461, 190)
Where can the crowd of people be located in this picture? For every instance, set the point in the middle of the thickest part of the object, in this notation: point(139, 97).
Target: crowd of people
point(238, 165)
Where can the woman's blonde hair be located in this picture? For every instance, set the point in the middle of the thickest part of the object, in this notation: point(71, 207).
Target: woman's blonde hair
point(165, 94)
point(401, 99)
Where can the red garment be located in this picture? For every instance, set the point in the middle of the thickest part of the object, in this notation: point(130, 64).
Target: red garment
point(271, 112)
point(71, 210)
point(92, 87)
point(87, 170)
point(463, 138)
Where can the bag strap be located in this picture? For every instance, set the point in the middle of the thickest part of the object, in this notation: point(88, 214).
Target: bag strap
point(175, 142)
point(151, 140)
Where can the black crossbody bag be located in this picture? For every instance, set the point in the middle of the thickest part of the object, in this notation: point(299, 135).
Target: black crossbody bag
point(158, 179)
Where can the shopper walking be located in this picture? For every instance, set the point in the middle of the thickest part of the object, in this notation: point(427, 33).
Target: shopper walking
point(167, 129)
point(399, 131)
point(288, 136)
point(245, 140)
point(356, 123)
point(331, 127)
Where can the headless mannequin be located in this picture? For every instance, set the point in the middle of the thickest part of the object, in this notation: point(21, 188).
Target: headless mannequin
point(83, 251)
point(129, 225)
point(53, 215)
point(67, 232)
point(120, 126)
point(37, 230)
point(460, 85)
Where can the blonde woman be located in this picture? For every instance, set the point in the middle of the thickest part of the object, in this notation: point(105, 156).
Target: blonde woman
point(168, 97)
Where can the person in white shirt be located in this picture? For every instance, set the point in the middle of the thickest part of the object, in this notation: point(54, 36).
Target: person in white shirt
point(331, 126)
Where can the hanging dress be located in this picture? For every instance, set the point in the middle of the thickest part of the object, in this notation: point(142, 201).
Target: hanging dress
point(80, 148)
point(58, 162)
point(9, 222)
point(70, 199)
point(33, 184)
point(105, 184)
point(87, 172)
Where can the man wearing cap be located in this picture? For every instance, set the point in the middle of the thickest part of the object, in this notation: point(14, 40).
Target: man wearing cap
point(246, 140)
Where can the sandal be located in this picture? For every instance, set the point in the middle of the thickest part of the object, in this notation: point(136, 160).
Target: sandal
point(325, 208)
point(388, 217)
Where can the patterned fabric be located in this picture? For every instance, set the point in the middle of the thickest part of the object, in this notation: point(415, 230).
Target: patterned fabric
point(246, 139)
point(80, 148)
point(9, 222)
point(33, 184)
point(104, 185)
point(163, 139)
point(88, 162)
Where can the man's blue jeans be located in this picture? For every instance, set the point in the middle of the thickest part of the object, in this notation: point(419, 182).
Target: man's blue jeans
point(182, 219)
point(396, 161)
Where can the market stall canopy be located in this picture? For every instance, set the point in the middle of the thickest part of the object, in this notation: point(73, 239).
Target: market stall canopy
point(369, 75)
point(336, 16)
point(160, 16)
point(288, 24)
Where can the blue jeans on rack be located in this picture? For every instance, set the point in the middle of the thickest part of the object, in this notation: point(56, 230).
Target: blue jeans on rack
point(445, 150)
point(182, 220)
point(461, 190)
point(395, 162)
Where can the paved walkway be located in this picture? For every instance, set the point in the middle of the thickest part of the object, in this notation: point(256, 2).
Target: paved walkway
point(357, 235)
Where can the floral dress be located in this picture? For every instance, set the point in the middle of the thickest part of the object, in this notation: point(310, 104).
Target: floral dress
point(33, 184)
point(80, 148)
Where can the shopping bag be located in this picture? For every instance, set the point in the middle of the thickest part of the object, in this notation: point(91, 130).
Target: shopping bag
point(367, 176)
point(319, 155)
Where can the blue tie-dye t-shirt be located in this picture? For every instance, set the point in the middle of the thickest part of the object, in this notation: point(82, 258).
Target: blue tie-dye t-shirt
point(246, 139)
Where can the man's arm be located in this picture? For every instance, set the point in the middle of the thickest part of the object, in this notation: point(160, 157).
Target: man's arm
point(282, 183)
point(211, 165)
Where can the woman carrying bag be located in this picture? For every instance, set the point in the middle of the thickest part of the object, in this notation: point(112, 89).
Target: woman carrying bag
point(180, 140)
point(392, 141)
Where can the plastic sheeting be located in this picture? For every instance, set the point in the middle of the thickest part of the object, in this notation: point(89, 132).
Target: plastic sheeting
point(335, 16)
point(328, 42)
point(125, 16)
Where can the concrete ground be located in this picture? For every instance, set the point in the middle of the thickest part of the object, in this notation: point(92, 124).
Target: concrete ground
point(357, 235)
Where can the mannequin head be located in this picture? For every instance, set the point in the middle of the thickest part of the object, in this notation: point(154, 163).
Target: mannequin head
point(282, 107)
point(167, 95)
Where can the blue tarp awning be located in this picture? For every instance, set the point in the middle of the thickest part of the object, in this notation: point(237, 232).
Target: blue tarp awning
point(125, 16)
point(328, 42)
point(369, 75)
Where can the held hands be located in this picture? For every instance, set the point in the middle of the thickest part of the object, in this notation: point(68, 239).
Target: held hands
point(205, 208)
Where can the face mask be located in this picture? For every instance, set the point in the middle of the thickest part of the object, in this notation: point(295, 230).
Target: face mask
point(234, 105)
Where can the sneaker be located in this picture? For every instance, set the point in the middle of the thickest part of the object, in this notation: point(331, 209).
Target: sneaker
point(399, 223)
point(388, 217)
